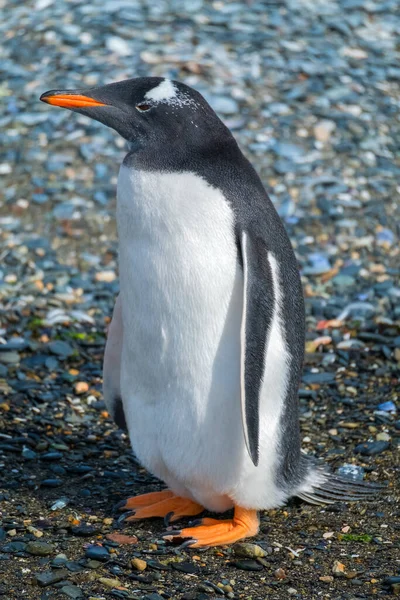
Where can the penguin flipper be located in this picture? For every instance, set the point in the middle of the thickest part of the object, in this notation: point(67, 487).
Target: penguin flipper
point(257, 316)
point(112, 367)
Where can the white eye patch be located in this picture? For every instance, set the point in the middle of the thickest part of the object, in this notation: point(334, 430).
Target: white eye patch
point(163, 92)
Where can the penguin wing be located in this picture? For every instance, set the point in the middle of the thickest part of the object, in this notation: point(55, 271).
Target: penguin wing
point(258, 306)
point(112, 363)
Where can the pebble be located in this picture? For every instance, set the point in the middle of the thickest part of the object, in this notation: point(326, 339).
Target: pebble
point(323, 130)
point(72, 591)
point(107, 276)
point(280, 574)
point(39, 548)
point(224, 105)
point(84, 530)
point(51, 577)
point(98, 553)
point(338, 569)
point(247, 550)
point(371, 448)
point(60, 348)
point(110, 583)
point(247, 565)
point(351, 471)
point(138, 564)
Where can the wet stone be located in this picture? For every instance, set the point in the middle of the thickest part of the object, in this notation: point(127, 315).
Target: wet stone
point(51, 456)
point(154, 564)
point(51, 483)
point(371, 448)
point(84, 530)
point(98, 553)
point(71, 591)
point(39, 548)
point(248, 550)
point(51, 577)
point(14, 547)
point(247, 565)
point(60, 348)
point(186, 567)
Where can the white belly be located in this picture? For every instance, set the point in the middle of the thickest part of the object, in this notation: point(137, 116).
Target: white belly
point(182, 296)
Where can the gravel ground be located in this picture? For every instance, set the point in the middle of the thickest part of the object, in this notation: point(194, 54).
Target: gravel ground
point(311, 90)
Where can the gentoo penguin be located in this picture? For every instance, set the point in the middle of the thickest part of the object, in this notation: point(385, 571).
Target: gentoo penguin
point(205, 351)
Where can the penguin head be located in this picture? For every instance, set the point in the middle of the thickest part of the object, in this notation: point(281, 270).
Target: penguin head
point(152, 113)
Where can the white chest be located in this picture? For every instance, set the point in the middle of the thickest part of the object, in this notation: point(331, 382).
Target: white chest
point(178, 271)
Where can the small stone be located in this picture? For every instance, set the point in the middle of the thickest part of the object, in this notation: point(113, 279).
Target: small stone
point(351, 471)
point(107, 276)
point(328, 534)
point(60, 348)
point(280, 574)
point(9, 358)
point(39, 548)
point(122, 540)
point(36, 532)
point(118, 45)
point(158, 566)
point(292, 591)
point(388, 581)
point(28, 454)
point(186, 567)
point(59, 504)
point(371, 448)
point(138, 564)
point(94, 564)
point(51, 577)
point(249, 550)
point(97, 553)
point(224, 105)
point(389, 407)
point(338, 569)
point(343, 281)
point(84, 530)
point(351, 574)
point(356, 53)
point(323, 130)
point(81, 387)
point(326, 578)
point(51, 456)
point(247, 565)
point(72, 591)
point(383, 437)
point(110, 583)
point(51, 483)
point(59, 560)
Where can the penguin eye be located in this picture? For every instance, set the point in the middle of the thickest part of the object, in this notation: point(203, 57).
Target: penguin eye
point(143, 107)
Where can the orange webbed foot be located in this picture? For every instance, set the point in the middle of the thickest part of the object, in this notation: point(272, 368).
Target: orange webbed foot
point(212, 532)
point(160, 504)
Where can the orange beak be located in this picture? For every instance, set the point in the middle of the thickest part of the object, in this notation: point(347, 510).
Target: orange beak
point(70, 100)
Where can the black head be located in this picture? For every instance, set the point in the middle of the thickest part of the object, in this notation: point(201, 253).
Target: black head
point(156, 115)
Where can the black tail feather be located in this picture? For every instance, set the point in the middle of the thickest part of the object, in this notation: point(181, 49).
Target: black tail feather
point(324, 487)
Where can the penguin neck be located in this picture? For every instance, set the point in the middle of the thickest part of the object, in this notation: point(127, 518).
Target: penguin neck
point(182, 155)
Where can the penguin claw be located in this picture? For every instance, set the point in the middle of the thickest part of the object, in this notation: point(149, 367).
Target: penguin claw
point(175, 537)
point(125, 516)
point(195, 522)
point(119, 506)
point(171, 534)
point(189, 542)
point(168, 518)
